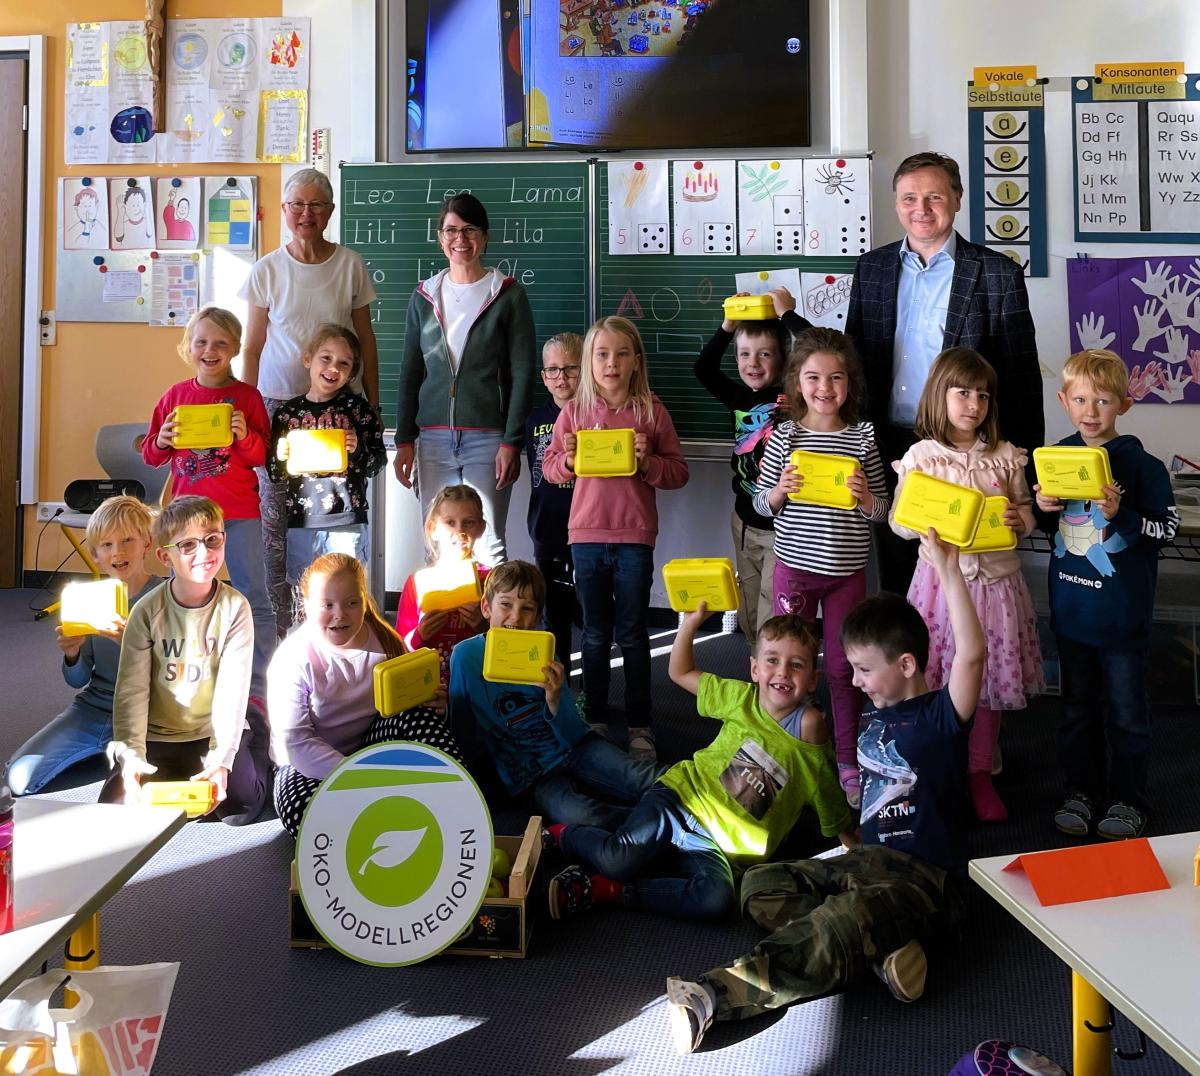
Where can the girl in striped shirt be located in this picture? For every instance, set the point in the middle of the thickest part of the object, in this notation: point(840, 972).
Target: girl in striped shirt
point(821, 551)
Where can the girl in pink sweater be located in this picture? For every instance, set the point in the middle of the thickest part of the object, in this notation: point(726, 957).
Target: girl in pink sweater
point(614, 521)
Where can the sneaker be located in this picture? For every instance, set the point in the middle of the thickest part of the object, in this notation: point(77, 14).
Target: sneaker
point(1074, 816)
point(851, 781)
point(641, 744)
point(570, 892)
point(904, 971)
point(1121, 823)
point(690, 1010)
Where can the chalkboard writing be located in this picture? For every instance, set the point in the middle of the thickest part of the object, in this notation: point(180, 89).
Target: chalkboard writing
point(540, 234)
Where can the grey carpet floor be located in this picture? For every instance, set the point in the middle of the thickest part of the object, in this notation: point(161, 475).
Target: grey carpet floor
point(589, 998)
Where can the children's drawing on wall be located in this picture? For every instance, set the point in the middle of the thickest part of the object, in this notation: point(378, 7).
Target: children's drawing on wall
point(638, 207)
point(770, 201)
point(827, 298)
point(178, 202)
point(837, 206)
point(1146, 310)
point(85, 214)
point(131, 213)
point(705, 206)
point(761, 281)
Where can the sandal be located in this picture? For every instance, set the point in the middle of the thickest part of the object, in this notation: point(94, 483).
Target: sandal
point(570, 892)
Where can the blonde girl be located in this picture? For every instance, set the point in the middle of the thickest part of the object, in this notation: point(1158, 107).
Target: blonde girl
point(821, 551)
point(960, 432)
point(454, 522)
point(226, 475)
point(321, 686)
point(614, 521)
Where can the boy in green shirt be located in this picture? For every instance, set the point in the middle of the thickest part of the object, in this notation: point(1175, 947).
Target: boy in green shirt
point(731, 804)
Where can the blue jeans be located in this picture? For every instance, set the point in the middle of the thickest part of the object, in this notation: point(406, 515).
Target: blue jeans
point(466, 457)
point(305, 544)
point(81, 731)
point(1104, 727)
point(693, 879)
point(612, 581)
point(247, 573)
point(593, 765)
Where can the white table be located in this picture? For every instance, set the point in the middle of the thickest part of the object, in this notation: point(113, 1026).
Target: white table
point(68, 859)
point(1140, 952)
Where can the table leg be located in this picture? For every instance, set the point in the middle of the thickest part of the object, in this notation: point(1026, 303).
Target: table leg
point(81, 953)
point(1092, 1049)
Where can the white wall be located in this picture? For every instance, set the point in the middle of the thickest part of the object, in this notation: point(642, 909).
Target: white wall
point(921, 53)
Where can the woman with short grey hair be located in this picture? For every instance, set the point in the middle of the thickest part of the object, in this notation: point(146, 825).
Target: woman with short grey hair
point(291, 292)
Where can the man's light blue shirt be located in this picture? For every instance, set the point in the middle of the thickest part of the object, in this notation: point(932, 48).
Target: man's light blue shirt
point(922, 299)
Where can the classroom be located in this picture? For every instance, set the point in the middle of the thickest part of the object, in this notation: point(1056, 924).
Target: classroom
point(279, 218)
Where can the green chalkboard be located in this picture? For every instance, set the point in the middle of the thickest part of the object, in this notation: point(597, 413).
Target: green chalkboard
point(676, 304)
point(540, 234)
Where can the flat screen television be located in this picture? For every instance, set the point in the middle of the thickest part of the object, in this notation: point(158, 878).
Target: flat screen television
point(606, 75)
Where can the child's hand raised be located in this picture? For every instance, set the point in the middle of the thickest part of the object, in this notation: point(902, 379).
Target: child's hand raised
point(70, 645)
point(783, 301)
point(728, 324)
point(472, 614)
point(942, 555)
point(856, 483)
point(1112, 501)
point(1046, 504)
point(692, 621)
point(431, 623)
point(167, 432)
point(555, 675)
point(238, 425)
point(351, 441)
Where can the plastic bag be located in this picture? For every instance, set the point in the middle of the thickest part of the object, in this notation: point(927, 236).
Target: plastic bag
point(113, 1030)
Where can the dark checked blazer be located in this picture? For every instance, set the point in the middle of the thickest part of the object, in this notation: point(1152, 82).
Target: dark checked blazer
point(988, 311)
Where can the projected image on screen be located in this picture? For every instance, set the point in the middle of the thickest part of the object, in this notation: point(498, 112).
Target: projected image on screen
point(607, 74)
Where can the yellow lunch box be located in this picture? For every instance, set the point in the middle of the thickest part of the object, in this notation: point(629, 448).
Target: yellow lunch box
point(825, 477)
point(950, 509)
point(407, 680)
point(316, 451)
point(516, 657)
point(89, 608)
point(447, 585)
point(992, 534)
point(604, 453)
point(204, 425)
point(749, 307)
point(692, 580)
point(1073, 473)
point(194, 798)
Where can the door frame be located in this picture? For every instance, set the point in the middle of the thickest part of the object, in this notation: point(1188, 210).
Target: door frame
point(33, 47)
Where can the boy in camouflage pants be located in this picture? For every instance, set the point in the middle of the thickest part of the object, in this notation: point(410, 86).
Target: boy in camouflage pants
point(833, 919)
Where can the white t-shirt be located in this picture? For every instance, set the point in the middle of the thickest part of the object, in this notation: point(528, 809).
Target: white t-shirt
point(299, 298)
point(460, 304)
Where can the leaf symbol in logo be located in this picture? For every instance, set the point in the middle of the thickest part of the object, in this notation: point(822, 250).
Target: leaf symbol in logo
point(393, 847)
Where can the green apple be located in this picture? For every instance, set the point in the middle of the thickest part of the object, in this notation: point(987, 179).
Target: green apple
point(495, 888)
point(501, 863)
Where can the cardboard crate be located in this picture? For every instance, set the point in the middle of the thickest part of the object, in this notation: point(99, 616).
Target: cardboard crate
point(501, 928)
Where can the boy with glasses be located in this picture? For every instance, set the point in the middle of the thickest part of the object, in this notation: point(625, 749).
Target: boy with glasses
point(183, 682)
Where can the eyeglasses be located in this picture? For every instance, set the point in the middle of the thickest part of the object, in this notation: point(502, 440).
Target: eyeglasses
point(553, 373)
point(469, 231)
point(189, 545)
point(316, 207)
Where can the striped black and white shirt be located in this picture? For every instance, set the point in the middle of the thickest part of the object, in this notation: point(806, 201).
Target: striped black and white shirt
point(816, 537)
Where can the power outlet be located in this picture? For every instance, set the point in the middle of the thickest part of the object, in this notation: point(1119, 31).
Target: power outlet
point(48, 328)
point(47, 510)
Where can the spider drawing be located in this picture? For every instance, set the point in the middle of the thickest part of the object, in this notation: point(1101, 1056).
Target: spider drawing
point(833, 179)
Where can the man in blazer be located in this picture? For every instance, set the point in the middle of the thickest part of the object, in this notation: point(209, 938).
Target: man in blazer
point(930, 291)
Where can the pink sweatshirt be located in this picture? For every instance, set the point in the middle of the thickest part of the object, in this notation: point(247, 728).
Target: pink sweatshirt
point(618, 509)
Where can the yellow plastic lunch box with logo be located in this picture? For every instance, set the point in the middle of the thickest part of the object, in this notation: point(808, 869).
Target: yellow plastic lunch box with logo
point(992, 534)
point(204, 425)
point(407, 680)
point(749, 307)
point(1073, 473)
point(316, 451)
point(89, 608)
point(447, 585)
point(825, 477)
point(511, 656)
point(950, 509)
point(604, 453)
point(692, 580)
point(194, 798)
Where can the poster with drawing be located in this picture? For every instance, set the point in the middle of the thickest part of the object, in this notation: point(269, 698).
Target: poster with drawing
point(837, 206)
point(130, 213)
point(177, 212)
point(109, 95)
point(827, 298)
point(638, 208)
point(229, 212)
point(1144, 309)
point(770, 202)
point(761, 281)
point(85, 213)
point(174, 289)
point(705, 208)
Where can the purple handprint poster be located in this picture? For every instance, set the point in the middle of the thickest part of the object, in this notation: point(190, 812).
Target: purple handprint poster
point(1147, 310)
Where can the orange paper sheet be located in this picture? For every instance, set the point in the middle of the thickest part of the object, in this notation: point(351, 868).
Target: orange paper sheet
point(1092, 871)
